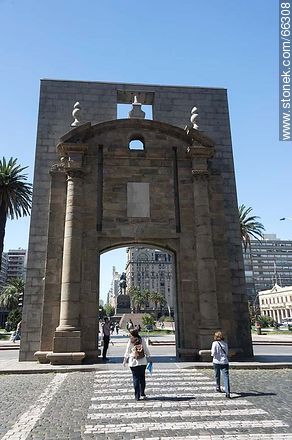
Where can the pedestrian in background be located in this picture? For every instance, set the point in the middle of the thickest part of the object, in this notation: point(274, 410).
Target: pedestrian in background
point(106, 337)
point(219, 352)
point(138, 355)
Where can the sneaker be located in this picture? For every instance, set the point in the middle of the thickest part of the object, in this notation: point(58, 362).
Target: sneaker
point(143, 397)
point(227, 395)
point(218, 389)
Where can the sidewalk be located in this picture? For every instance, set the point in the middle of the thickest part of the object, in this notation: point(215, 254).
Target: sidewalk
point(280, 356)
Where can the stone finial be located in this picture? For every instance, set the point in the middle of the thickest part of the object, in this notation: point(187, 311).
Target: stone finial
point(136, 111)
point(76, 113)
point(193, 117)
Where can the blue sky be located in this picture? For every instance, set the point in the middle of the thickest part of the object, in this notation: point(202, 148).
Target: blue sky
point(193, 42)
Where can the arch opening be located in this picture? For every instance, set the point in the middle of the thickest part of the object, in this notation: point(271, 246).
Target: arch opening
point(138, 283)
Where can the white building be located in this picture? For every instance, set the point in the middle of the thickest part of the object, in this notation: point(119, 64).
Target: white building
point(16, 264)
point(114, 289)
point(276, 302)
point(151, 269)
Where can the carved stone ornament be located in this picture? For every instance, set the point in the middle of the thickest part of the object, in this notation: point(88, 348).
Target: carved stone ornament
point(76, 113)
point(194, 115)
point(136, 111)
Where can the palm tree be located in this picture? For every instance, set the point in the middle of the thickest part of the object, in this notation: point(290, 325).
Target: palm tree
point(157, 298)
point(9, 297)
point(138, 298)
point(249, 226)
point(15, 195)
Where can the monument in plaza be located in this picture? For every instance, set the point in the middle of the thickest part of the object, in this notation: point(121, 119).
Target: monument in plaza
point(101, 183)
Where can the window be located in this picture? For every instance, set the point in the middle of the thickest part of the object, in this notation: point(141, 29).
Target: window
point(136, 144)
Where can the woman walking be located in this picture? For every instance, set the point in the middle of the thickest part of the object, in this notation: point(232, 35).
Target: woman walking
point(219, 352)
point(137, 354)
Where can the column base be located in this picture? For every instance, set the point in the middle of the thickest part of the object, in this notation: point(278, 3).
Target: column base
point(74, 358)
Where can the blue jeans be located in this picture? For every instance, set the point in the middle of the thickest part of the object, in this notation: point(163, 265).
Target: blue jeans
point(224, 368)
point(139, 380)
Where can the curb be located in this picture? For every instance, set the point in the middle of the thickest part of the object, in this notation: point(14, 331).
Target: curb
point(107, 367)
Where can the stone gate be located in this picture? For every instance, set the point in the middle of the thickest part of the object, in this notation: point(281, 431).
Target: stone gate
point(96, 190)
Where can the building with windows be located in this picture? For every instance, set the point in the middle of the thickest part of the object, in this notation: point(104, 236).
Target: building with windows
point(16, 264)
point(267, 262)
point(114, 290)
point(151, 269)
point(276, 303)
point(3, 271)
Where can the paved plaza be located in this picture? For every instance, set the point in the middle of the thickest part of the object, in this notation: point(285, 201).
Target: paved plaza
point(97, 401)
point(181, 404)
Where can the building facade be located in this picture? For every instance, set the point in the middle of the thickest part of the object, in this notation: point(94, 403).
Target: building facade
point(3, 271)
point(114, 289)
point(16, 264)
point(267, 262)
point(276, 303)
point(151, 269)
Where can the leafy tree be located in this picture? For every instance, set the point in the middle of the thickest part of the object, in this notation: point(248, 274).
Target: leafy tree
point(13, 318)
point(138, 298)
point(109, 310)
point(9, 297)
point(157, 298)
point(249, 226)
point(15, 195)
point(148, 319)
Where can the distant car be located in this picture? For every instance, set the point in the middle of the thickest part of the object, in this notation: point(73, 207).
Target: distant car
point(287, 321)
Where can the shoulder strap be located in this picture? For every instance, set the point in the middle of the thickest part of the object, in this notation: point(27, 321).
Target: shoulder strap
point(221, 347)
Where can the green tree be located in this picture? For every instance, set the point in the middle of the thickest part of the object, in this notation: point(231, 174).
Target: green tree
point(109, 310)
point(139, 298)
point(9, 297)
point(13, 318)
point(158, 299)
point(15, 195)
point(249, 226)
point(148, 319)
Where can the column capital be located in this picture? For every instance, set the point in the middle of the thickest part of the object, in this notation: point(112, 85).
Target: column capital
point(199, 151)
point(200, 174)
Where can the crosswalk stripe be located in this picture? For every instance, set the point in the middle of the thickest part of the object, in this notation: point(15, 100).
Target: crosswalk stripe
point(154, 426)
point(160, 396)
point(166, 404)
point(236, 436)
point(181, 414)
point(178, 400)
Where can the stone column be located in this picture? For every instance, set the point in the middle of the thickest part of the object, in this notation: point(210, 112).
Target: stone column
point(67, 339)
point(209, 320)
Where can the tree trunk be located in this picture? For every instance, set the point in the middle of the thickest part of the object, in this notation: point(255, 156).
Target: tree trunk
point(3, 218)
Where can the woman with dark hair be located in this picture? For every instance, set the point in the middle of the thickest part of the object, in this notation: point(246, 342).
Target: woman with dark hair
point(137, 354)
point(219, 352)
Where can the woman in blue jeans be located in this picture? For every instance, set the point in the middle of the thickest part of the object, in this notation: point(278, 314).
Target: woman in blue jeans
point(137, 365)
point(219, 352)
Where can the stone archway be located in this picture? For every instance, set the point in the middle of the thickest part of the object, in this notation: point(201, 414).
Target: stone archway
point(171, 194)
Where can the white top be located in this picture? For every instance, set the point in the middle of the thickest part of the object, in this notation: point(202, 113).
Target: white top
point(219, 357)
point(129, 354)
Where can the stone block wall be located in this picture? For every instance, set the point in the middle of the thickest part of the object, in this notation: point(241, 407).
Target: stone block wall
point(171, 104)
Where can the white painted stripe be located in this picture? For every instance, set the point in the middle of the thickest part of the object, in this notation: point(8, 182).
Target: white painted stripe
point(156, 404)
point(160, 396)
point(118, 391)
point(284, 436)
point(180, 413)
point(216, 424)
point(155, 379)
point(21, 429)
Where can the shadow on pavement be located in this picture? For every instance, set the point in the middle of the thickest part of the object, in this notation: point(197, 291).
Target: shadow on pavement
point(172, 399)
point(252, 394)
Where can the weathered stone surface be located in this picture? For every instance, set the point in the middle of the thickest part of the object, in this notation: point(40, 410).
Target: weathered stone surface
point(196, 218)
